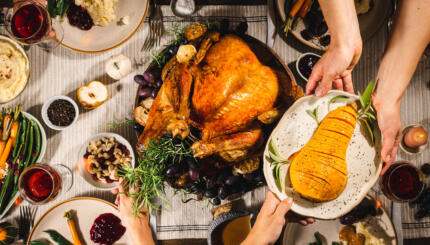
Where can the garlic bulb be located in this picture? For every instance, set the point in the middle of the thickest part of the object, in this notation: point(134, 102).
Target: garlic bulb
point(118, 66)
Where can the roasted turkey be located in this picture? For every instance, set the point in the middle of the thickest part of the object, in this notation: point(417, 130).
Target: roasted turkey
point(224, 91)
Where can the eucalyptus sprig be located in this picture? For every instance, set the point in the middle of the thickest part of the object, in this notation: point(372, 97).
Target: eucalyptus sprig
point(314, 114)
point(276, 161)
point(149, 174)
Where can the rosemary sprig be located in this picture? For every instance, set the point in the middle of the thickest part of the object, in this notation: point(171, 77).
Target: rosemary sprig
point(119, 123)
point(314, 114)
point(149, 175)
point(276, 161)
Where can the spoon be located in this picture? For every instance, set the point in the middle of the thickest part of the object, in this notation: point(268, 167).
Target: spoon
point(183, 8)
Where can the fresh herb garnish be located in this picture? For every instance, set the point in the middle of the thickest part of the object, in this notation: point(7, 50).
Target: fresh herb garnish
point(314, 114)
point(127, 122)
point(57, 237)
point(116, 65)
point(336, 98)
point(366, 113)
point(149, 175)
point(276, 161)
point(58, 8)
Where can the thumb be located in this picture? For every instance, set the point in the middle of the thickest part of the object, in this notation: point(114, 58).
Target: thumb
point(284, 207)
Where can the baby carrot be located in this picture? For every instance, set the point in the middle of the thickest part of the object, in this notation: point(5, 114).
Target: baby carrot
point(72, 228)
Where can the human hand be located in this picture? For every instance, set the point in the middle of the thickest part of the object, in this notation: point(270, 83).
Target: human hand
point(138, 226)
point(271, 219)
point(334, 68)
point(390, 124)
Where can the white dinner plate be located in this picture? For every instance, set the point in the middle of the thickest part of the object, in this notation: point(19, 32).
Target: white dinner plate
point(86, 209)
point(369, 22)
point(380, 226)
point(363, 160)
point(101, 39)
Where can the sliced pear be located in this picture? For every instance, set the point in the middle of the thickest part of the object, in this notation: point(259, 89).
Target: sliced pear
point(92, 95)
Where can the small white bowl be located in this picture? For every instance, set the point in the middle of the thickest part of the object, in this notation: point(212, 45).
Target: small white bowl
point(45, 112)
point(81, 165)
point(298, 60)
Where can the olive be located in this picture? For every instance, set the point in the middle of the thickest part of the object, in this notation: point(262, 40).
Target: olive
point(148, 76)
point(306, 34)
point(139, 79)
point(194, 174)
point(242, 28)
point(172, 171)
point(322, 28)
point(154, 93)
point(138, 127)
point(158, 83)
point(224, 25)
point(145, 92)
point(223, 192)
point(210, 193)
point(325, 41)
point(426, 168)
point(232, 180)
point(191, 162)
point(216, 201)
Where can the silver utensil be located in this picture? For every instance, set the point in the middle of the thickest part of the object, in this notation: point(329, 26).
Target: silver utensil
point(271, 28)
point(155, 28)
point(183, 8)
point(396, 217)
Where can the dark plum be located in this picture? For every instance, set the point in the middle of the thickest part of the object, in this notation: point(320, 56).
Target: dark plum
point(249, 176)
point(347, 220)
point(194, 174)
point(211, 182)
point(172, 49)
point(425, 168)
point(148, 76)
point(232, 180)
point(259, 177)
point(154, 93)
point(306, 34)
point(325, 41)
point(172, 171)
point(191, 162)
point(223, 192)
point(211, 193)
point(138, 127)
point(197, 187)
point(145, 92)
point(158, 83)
point(216, 201)
point(221, 178)
point(139, 79)
point(321, 29)
point(421, 214)
point(242, 28)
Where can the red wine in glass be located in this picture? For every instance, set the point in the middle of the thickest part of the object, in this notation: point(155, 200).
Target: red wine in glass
point(30, 22)
point(402, 182)
point(40, 184)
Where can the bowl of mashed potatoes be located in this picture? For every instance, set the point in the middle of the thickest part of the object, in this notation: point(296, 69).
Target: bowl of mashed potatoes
point(14, 69)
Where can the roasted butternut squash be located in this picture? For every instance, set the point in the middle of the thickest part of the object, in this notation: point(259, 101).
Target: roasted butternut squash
point(318, 171)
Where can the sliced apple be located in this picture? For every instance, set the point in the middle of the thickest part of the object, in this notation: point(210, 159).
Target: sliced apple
point(92, 95)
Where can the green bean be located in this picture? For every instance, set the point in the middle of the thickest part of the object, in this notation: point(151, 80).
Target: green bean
point(17, 139)
point(38, 142)
point(29, 151)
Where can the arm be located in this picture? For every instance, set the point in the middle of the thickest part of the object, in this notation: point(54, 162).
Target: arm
point(271, 219)
point(336, 65)
point(138, 227)
point(409, 38)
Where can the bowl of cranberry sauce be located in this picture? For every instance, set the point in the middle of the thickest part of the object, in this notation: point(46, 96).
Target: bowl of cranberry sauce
point(305, 64)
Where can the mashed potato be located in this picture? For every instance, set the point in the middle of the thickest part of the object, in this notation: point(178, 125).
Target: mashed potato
point(101, 11)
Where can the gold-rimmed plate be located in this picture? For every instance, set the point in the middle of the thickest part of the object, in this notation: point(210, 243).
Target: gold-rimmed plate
point(101, 39)
point(86, 209)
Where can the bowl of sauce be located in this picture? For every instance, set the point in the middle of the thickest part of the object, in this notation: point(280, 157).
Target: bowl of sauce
point(305, 63)
point(230, 228)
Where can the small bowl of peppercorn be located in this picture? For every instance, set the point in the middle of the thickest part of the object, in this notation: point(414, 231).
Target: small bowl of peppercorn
point(60, 112)
point(305, 63)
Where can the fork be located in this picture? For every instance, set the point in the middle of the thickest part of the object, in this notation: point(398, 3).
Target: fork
point(26, 221)
point(155, 28)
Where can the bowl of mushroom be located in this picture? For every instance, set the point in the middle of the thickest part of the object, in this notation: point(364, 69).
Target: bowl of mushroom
point(101, 157)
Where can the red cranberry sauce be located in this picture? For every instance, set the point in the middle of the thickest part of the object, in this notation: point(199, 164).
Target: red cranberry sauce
point(107, 229)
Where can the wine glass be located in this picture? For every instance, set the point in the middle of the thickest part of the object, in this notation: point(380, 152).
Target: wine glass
point(28, 22)
point(41, 183)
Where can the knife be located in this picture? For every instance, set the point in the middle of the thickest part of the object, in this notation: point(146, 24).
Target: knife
point(271, 28)
point(396, 217)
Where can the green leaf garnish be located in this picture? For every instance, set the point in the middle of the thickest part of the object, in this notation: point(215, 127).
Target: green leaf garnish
point(336, 98)
point(276, 161)
point(365, 97)
point(366, 113)
point(314, 114)
point(116, 65)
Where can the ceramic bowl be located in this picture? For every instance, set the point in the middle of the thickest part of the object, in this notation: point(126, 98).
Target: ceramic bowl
point(298, 61)
point(81, 165)
point(407, 149)
point(45, 112)
point(220, 221)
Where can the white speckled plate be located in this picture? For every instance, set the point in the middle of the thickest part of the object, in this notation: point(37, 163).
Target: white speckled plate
point(379, 226)
point(364, 163)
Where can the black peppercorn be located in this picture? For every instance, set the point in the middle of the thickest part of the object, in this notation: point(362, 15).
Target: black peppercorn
point(61, 113)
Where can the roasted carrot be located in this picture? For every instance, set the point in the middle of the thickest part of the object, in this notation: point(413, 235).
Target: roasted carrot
point(296, 7)
point(5, 154)
point(303, 12)
point(7, 124)
point(72, 228)
point(2, 146)
point(14, 131)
